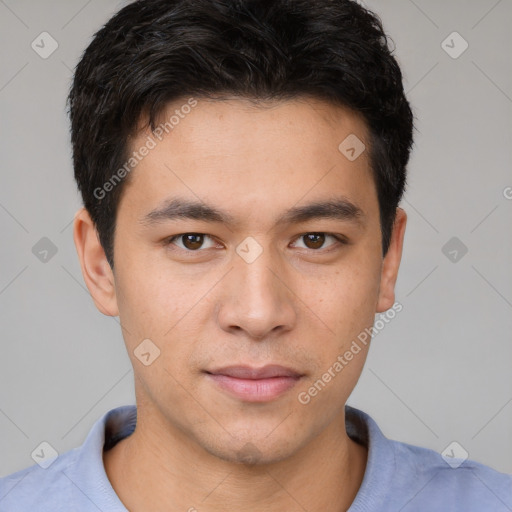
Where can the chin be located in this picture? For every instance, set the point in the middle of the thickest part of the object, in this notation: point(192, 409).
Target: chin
point(250, 452)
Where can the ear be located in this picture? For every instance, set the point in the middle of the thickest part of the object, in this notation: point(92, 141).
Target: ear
point(98, 275)
point(391, 262)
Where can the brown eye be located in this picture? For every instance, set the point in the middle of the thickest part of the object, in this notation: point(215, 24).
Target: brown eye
point(314, 240)
point(319, 241)
point(192, 241)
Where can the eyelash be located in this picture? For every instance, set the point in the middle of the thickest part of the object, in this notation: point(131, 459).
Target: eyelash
point(339, 238)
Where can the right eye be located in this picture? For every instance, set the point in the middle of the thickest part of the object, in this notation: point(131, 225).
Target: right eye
point(190, 241)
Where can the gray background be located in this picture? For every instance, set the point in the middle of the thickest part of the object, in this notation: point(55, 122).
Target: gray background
point(439, 372)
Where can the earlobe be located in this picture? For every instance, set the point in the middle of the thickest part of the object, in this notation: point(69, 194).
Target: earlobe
point(98, 275)
point(391, 263)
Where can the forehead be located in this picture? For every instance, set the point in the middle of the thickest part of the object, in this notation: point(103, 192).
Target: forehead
point(249, 155)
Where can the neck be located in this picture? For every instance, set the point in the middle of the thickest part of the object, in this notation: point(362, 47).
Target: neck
point(163, 470)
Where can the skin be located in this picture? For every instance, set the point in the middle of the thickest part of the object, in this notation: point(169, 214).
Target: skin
point(195, 445)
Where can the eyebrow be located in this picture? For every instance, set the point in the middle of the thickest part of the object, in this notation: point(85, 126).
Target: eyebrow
point(337, 209)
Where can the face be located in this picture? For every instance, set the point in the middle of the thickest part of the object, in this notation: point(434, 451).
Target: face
point(248, 250)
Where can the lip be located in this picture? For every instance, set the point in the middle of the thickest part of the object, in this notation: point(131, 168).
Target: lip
point(251, 384)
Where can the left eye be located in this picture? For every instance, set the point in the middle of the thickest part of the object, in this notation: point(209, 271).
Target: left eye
point(317, 240)
point(191, 241)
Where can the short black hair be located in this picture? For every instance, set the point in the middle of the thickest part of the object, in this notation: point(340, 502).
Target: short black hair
point(153, 52)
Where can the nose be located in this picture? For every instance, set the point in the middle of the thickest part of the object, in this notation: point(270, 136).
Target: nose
point(256, 299)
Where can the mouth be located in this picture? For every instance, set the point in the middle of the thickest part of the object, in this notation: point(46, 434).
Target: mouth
point(251, 384)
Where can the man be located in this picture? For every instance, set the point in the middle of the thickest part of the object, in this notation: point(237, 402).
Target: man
point(241, 165)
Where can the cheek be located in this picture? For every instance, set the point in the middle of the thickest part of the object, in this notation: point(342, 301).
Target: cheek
point(168, 308)
point(149, 303)
point(346, 300)
point(347, 309)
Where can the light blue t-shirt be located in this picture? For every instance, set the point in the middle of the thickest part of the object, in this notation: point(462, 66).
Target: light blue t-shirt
point(398, 476)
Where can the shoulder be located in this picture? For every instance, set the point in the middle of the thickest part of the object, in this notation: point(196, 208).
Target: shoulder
point(74, 480)
point(38, 488)
point(447, 482)
point(401, 476)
